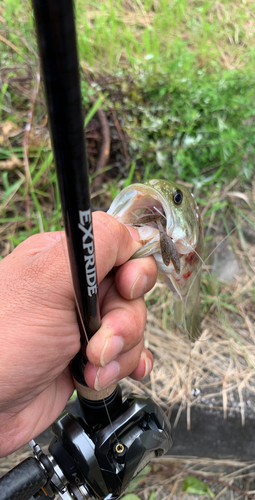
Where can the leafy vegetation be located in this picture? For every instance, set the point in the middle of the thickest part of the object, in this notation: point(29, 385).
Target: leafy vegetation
point(198, 129)
point(186, 73)
point(192, 484)
point(183, 85)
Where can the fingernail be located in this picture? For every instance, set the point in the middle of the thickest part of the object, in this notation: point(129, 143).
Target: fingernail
point(148, 365)
point(139, 286)
point(106, 376)
point(113, 346)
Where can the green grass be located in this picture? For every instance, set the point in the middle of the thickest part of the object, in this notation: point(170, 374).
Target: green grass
point(188, 106)
point(163, 34)
point(180, 77)
point(182, 85)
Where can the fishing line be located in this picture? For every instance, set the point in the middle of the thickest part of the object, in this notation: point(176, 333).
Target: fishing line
point(157, 210)
point(175, 287)
point(208, 257)
point(79, 312)
point(86, 336)
point(56, 35)
point(199, 256)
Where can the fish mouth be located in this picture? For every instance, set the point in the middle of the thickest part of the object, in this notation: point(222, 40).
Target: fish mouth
point(141, 206)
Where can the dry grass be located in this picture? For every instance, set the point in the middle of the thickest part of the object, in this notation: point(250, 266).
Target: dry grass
point(227, 478)
point(218, 371)
point(214, 368)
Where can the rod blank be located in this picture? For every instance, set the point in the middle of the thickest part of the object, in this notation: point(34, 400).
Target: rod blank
point(59, 59)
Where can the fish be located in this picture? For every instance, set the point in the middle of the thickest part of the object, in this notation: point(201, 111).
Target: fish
point(168, 221)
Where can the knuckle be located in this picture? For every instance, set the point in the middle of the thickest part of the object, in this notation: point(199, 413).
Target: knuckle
point(136, 318)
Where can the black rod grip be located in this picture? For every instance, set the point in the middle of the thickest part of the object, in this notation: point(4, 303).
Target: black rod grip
point(23, 481)
point(56, 35)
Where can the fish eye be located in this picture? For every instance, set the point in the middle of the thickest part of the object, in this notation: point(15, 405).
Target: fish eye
point(177, 196)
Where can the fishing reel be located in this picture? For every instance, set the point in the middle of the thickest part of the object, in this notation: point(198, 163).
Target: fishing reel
point(91, 460)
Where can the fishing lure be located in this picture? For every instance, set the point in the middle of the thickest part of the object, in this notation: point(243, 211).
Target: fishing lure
point(168, 249)
point(168, 221)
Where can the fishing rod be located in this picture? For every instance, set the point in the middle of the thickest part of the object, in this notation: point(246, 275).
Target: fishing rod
point(96, 454)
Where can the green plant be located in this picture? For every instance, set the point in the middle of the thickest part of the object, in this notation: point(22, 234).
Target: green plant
point(193, 485)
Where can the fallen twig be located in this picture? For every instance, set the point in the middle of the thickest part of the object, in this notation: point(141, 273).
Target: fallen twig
point(11, 163)
point(122, 138)
point(105, 145)
point(11, 45)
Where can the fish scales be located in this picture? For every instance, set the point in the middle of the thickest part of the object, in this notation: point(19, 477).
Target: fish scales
point(165, 214)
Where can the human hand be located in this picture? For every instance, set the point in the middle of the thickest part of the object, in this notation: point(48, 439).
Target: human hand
point(39, 332)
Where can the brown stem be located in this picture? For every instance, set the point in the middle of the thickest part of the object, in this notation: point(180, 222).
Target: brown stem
point(122, 138)
point(105, 145)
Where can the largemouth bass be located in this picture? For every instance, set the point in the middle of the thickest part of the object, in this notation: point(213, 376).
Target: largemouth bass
point(168, 221)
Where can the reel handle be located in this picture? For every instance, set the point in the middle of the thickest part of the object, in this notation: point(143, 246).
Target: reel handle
point(23, 481)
